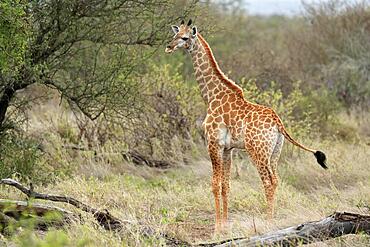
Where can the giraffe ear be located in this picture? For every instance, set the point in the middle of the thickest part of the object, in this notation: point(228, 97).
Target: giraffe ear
point(195, 31)
point(175, 29)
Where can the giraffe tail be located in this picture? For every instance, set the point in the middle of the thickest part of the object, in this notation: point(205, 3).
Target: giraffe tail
point(321, 159)
point(320, 156)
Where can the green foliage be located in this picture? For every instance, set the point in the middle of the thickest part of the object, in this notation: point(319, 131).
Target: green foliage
point(170, 110)
point(18, 157)
point(22, 159)
point(22, 229)
point(27, 218)
point(54, 238)
point(299, 112)
point(88, 51)
point(92, 53)
point(350, 81)
point(335, 50)
point(13, 35)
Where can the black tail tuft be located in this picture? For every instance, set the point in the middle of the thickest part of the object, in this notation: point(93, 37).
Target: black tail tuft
point(321, 159)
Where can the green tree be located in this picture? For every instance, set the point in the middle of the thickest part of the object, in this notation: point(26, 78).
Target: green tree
point(13, 35)
point(87, 50)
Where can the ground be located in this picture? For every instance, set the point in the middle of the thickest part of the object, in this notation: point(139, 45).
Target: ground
point(179, 201)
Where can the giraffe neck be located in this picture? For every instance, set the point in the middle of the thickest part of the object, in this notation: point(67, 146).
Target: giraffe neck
point(212, 81)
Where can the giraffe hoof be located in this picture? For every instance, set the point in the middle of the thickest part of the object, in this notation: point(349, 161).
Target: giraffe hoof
point(218, 229)
point(270, 215)
point(225, 226)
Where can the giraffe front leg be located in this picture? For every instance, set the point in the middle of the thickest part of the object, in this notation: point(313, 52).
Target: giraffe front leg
point(226, 167)
point(215, 153)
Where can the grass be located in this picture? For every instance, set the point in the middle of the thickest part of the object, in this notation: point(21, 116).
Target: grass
point(179, 201)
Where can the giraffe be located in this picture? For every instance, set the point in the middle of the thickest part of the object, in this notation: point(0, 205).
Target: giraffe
point(232, 122)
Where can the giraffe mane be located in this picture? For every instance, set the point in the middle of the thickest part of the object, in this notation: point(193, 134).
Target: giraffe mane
point(229, 83)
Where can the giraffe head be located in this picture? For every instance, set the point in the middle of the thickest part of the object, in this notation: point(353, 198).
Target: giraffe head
point(185, 36)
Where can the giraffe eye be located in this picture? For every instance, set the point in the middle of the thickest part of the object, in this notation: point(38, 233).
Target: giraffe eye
point(184, 38)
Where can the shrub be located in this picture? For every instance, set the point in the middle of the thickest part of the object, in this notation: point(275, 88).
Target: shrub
point(21, 158)
point(300, 112)
point(334, 50)
point(294, 118)
point(166, 125)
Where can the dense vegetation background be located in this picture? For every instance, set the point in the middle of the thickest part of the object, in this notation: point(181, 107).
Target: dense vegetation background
point(84, 84)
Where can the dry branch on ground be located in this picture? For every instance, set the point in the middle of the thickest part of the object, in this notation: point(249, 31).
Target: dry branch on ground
point(335, 225)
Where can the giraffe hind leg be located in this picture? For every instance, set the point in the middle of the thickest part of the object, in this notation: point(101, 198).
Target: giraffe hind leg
point(269, 181)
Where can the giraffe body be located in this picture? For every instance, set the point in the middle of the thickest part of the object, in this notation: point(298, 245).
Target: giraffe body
point(233, 122)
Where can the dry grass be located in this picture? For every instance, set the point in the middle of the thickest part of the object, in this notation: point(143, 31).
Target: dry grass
point(179, 201)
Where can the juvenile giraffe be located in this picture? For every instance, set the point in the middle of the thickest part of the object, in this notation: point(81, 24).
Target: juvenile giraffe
point(233, 122)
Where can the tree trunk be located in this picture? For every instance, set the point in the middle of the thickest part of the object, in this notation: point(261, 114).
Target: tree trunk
point(4, 103)
point(8, 94)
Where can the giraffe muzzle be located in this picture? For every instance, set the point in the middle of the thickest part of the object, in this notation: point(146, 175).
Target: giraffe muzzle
point(169, 49)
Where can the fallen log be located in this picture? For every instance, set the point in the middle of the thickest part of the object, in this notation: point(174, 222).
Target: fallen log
point(104, 218)
point(43, 216)
point(335, 225)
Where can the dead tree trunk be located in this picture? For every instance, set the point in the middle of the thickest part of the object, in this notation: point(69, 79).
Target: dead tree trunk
point(335, 225)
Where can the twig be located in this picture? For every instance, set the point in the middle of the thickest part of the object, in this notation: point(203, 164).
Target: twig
point(254, 226)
